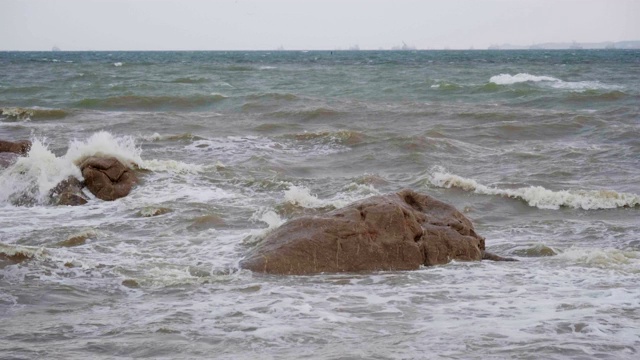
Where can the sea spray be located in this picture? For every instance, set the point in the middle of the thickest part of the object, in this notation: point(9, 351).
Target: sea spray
point(105, 144)
point(271, 218)
point(301, 196)
point(30, 179)
point(540, 197)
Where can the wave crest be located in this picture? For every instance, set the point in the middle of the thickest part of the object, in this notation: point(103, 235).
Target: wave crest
point(138, 102)
point(540, 197)
point(26, 114)
point(508, 79)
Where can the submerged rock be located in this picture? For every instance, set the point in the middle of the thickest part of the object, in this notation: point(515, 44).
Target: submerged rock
point(107, 178)
point(68, 192)
point(20, 147)
point(150, 211)
point(15, 254)
point(7, 159)
point(400, 231)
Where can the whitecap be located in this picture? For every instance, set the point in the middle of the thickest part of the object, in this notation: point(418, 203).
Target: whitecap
point(104, 143)
point(117, 64)
point(540, 197)
point(173, 166)
point(605, 257)
point(269, 217)
point(301, 196)
point(508, 79)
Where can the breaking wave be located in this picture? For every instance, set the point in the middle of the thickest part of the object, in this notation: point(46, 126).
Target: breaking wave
point(540, 197)
point(346, 137)
point(26, 114)
point(602, 258)
point(29, 179)
point(507, 79)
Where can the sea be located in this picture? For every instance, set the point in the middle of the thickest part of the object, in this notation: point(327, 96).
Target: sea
point(540, 149)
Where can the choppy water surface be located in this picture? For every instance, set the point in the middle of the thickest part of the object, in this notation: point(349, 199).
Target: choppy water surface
point(540, 149)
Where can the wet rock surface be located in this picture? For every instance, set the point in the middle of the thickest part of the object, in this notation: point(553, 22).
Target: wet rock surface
point(20, 147)
point(68, 192)
point(400, 231)
point(107, 178)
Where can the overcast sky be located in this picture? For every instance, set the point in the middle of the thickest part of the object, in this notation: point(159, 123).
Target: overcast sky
point(309, 24)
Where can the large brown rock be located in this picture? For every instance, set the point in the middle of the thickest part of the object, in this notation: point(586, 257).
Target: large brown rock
point(107, 178)
point(20, 147)
point(401, 231)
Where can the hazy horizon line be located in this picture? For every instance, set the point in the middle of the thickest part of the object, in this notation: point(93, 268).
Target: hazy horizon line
point(555, 45)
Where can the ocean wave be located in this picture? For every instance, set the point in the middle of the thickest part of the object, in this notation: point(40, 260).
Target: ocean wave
point(507, 79)
point(138, 102)
point(190, 80)
point(269, 217)
point(26, 114)
point(446, 86)
point(24, 90)
point(591, 95)
point(540, 197)
point(17, 253)
point(173, 166)
point(29, 180)
point(104, 143)
point(346, 137)
point(602, 258)
point(171, 137)
point(273, 96)
point(307, 114)
point(240, 68)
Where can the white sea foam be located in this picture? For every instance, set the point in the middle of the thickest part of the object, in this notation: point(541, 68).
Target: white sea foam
point(301, 196)
point(540, 197)
point(105, 144)
point(29, 251)
point(507, 79)
point(606, 257)
point(173, 166)
point(268, 217)
point(33, 176)
point(117, 64)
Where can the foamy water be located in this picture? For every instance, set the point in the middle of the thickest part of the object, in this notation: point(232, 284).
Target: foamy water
point(540, 197)
point(507, 79)
point(541, 157)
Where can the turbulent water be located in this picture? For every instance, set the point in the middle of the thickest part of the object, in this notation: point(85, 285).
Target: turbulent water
point(541, 149)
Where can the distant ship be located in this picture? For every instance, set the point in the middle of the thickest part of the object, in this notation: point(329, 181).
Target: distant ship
point(575, 45)
point(403, 47)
